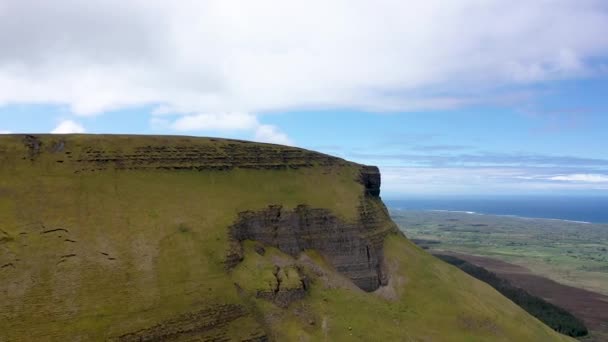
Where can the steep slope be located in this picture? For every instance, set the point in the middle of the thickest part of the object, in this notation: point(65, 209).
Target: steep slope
point(131, 238)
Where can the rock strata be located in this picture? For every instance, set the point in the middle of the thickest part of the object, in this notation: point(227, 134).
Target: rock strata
point(203, 157)
point(370, 178)
point(204, 325)
point(354, 249)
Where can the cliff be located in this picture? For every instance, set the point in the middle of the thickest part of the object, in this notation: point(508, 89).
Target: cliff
point(139, 238)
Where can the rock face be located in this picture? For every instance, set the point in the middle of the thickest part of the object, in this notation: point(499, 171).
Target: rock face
point(354, 249)
point(370, 178)
point(218, 157)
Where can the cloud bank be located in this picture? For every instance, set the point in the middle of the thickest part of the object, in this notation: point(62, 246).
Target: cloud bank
point(399, 180)
point(581, 177)
point(486, 173)
point(221, 63)
point(68, 127)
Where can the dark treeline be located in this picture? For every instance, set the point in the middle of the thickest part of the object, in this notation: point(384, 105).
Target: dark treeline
point(555, 317)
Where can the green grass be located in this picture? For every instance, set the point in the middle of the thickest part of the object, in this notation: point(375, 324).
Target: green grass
point(433, 302)
point(145, 246)
point(555, 317)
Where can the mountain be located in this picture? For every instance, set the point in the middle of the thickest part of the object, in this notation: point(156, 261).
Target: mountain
point(141, 238)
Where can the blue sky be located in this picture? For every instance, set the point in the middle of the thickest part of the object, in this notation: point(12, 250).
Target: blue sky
point(500, 98)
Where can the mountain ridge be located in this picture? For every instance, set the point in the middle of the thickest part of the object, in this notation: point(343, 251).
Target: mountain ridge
point(131, 238)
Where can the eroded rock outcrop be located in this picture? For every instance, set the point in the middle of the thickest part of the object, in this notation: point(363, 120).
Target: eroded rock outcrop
point(204, 325)
point(354, 249)
point(290, 285)
point(370, 178)
point(33, 144)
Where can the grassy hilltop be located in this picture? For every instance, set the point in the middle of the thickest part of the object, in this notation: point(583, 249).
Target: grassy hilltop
point(130, 238)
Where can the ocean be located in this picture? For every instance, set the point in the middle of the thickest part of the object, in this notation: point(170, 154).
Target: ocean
point(583, 209)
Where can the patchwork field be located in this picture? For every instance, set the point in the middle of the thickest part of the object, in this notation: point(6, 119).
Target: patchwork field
point(563, 262)
point(590, 307)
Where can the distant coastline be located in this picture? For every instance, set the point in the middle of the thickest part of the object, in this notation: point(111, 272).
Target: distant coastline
point(504, 215)
point(583, 210)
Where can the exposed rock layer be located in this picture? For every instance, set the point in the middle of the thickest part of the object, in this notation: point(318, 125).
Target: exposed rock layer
point(204, 157)
point(354, 249)
point(370, 178)
point(204, 325)
point(158, 155)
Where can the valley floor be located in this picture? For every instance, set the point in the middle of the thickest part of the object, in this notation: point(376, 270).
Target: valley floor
point(562, 262)
point(591, 307)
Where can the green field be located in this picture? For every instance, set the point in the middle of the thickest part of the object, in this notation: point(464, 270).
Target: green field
point(126, 238)
point(571, 253)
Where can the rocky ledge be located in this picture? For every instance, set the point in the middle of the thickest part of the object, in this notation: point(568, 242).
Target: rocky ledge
point(354, 249)
point(89, 154)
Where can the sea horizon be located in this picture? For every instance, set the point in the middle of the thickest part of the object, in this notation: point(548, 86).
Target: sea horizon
point(579, 209)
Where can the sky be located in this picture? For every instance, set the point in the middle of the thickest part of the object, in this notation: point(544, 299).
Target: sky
point(448, 98)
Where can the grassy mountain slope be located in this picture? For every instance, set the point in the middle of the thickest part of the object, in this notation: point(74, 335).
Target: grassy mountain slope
point(127, 238)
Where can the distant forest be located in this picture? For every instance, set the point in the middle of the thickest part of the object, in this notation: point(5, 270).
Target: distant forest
point(555, 317)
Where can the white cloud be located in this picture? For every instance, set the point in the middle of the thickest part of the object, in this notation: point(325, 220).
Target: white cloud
point(271, 134)
point(581, 177)
point(230, 56)
point(450, 180)
point(5, 132)
point(228, 122)
point(68, 127)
